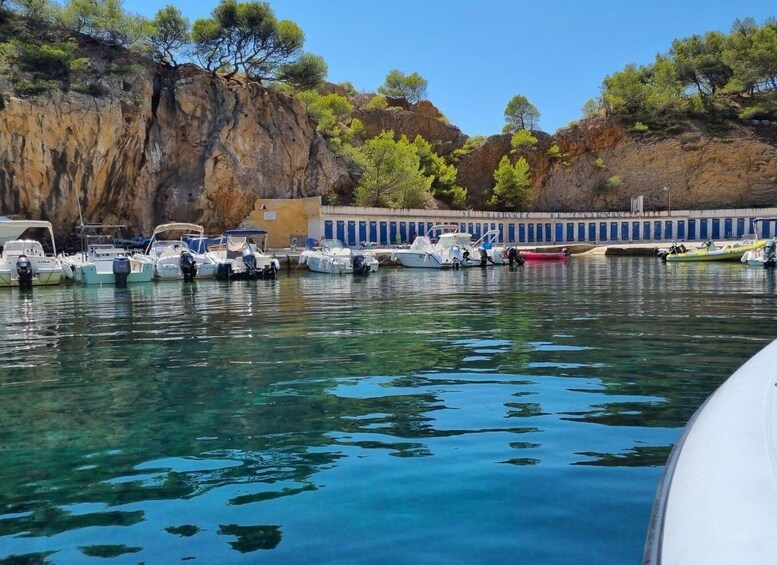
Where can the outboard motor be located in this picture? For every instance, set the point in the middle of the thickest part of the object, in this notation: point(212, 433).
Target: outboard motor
point(188, 266)
point(359, 266)
point(121, 270)
point(484, 258)
point(514, 257)
point(770, 255)
point(565, 251)
point(465, 256)
point(24, 270)
point(249, 260)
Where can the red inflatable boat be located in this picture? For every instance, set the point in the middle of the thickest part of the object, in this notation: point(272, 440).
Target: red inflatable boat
point(537, 256)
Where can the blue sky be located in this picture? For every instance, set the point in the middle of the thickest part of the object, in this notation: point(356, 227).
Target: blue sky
point(478, 55)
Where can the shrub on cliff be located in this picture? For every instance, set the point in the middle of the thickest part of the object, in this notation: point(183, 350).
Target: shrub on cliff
point(411, 87)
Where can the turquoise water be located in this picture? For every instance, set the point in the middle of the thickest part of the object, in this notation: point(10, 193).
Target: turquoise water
point(409, 417)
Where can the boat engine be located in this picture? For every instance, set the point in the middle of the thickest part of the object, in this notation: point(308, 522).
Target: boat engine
point(24, 270)
point(359, 266)
point(514, 257)
point(249, 260)
point(121, 270)
point(770, 255)
point(188, 266)
point(484, 258)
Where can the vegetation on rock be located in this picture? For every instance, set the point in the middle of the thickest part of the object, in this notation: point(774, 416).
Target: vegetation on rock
point(512, 188)
point(411, 87)
point(521, 114)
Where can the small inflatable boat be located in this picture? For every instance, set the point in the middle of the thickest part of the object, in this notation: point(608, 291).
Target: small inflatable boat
point(562, 255)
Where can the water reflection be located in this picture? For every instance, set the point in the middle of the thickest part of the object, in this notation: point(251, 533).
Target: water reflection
point(212, 421)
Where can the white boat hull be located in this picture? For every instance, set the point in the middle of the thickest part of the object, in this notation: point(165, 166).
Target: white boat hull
point(43, 277)
point(102, 272)
point(427, 260)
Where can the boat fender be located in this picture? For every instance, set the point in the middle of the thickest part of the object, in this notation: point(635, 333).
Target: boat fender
point(24, 270)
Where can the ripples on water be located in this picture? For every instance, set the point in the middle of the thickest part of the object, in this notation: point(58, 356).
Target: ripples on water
point(412, 416)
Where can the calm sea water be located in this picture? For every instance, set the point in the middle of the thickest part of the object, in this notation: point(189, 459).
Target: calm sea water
point(409, 417)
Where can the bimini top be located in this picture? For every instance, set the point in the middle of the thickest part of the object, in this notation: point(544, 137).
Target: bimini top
point(179, 226)
point(244, 232)
point(12, 229)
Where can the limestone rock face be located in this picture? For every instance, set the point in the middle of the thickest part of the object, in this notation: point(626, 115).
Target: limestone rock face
point(411, 120)
point(703, 169)
point(159, 145)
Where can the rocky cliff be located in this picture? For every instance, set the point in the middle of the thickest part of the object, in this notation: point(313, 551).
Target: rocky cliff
point(730, 167)
point(157, 145)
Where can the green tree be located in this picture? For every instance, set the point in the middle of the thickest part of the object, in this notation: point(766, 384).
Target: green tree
point(246, 37)
point(625, 92)
point(82, 15)
point(411, 87)
point(41, 10)
point(523, 139)
point(169, 33)
point(591, 108)
point(307, 71)
point(700, 61)
point(392, 177)
point(521, 114)
point(443, 175)
point(513, 182)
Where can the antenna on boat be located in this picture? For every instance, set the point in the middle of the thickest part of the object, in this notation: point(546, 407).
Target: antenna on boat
point(81, 218)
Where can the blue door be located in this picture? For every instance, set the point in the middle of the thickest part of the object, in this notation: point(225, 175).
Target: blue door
point(471, 229)
point(403, 232)
point(728, 228)
point(646, 230)
point(715, 228)
point(767, 229)
point(570, 232)
point(657, 230)
point(531, 233)
point(362, 233)
point(351, 232)
point(522, 233)
point(591, 231)
point(373, 232)
point(341, 230)
point(613, 231)
point(412, 232)
point(668, 229)
point(501, 233)
point(559, 232)
point(635, 231)
point(383, 233)
point(602, 231)
point(740, 228)
point(511, 233)
point(538, 233)
point(703, 228)
point(691, 230)
point(392, 233)
point(624, 231)
point(328, 231)
point(548, 233)
point(681, 230)
point(580, 232)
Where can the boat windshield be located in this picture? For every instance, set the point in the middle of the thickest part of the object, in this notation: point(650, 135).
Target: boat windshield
point(327, 244)
point(454, 240)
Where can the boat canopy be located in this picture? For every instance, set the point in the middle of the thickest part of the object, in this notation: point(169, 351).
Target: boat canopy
point(246, 232)
point(12, 229)
point(178, 226)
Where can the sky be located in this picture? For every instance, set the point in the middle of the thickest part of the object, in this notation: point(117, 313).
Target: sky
point(477, 55)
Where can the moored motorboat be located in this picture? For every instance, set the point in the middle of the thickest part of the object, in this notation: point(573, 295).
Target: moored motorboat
point(489, 250)
point(562, 255)
point(101, 261)
point(24, 262)
point(451, 250)
point(764, 257)
point(335, 258)
point(717, 501)
point(173, 259)
point(711, 252)
point(239, 255)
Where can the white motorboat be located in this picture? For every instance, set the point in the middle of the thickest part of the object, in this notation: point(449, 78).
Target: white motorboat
point(764, 257)
point(173, 258)
point(239, 255)
point(24, 262)
point(334, 257)
point(101, 261)
point(489, 250)
point(451, 250)
point(717, 501)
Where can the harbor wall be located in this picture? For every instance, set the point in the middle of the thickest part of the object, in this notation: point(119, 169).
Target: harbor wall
point(380, 226)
